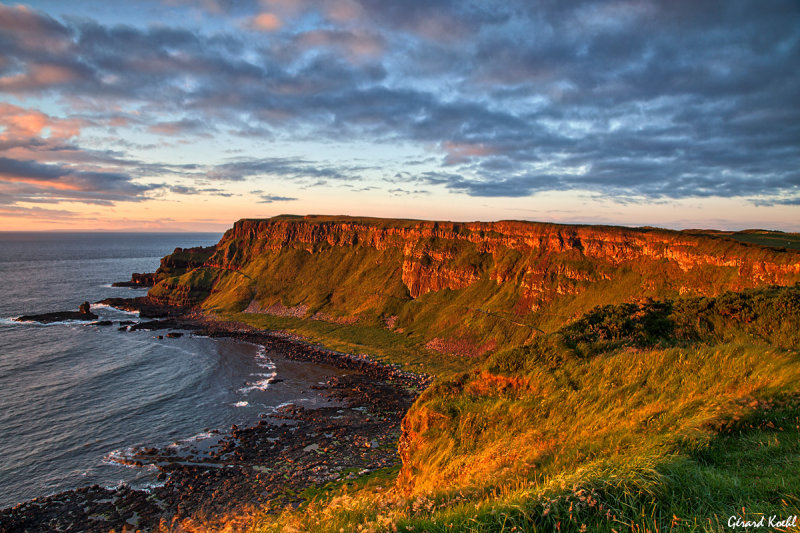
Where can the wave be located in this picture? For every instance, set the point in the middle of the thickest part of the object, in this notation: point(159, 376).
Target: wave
point(115, 309)
point(12, 321)
point(261, 385)
point(200, 437)
point(126, 458)
point(263, 360)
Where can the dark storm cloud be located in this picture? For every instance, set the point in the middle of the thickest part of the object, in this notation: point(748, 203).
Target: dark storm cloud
point(627, 98)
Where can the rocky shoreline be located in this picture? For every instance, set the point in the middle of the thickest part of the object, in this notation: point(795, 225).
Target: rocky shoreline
point(266, 465)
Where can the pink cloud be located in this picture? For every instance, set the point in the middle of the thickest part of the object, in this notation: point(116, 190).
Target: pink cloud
point(25, 123)
point(265, 22)
point(286, 7)
point(32, 30)
point(38, 77)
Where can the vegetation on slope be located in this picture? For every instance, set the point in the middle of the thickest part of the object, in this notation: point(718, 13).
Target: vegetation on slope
point(616, 422)
point(772, 239)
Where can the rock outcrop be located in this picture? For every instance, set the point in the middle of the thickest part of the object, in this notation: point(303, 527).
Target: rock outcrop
point(138, 280)
point(83, 313)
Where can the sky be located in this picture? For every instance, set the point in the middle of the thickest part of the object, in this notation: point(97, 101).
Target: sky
point(182, 115)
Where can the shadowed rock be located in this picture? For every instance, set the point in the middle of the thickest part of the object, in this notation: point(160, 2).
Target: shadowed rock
point(138, 280)
point(83, 313)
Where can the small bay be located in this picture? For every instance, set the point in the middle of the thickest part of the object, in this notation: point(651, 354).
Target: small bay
point(75, 395)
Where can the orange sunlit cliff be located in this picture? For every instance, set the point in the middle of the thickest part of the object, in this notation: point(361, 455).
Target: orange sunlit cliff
point(501, 278)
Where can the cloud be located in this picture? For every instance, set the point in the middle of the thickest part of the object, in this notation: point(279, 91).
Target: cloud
point(795, 200)
point(36, 213)
point(42, 164)
point(353, 44)
point(272, 198)
point(47, 182)
point(20, 123)
point(182, 127)
point(12, 170)
point(405, 192)
point(634, 100)
point(190, 190)
point(264, 22)
point(284, 167)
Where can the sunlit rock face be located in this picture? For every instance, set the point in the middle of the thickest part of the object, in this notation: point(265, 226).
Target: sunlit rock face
point(343, 267)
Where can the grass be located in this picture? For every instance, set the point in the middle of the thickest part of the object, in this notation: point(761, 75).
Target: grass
point(641, 435)
point(379, 343)
point(770, 239)
point(697, 490)
point(486, 427)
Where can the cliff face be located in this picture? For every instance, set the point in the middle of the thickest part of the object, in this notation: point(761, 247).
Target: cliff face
point(432, 252)
point(509, 268)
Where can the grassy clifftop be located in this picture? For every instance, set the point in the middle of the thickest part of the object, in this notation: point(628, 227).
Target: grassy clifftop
point(588, 378)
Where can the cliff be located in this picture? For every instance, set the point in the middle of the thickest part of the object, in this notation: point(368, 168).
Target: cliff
point(485, 282)
point(623, 372)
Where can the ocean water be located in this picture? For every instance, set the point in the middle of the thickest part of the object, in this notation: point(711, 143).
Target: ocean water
point(73, 395)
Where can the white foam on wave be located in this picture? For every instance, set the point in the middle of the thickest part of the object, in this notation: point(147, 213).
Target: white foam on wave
point(14, 321)
point(263, 360)
point(196, 438)
point(126, 458)
point(116, 309)
point(261, 384)
point(241, 404)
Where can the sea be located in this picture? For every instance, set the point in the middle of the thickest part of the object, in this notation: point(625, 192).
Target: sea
point(74, 396)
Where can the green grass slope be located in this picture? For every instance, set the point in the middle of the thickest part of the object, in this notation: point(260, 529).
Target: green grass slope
point(665, 416)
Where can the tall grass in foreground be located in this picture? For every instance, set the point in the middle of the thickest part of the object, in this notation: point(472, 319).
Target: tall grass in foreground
point(670, 416)
point(723, 461)
point(674, 492)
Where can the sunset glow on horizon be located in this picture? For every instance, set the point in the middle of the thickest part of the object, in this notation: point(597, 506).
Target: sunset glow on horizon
point(173, 115)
